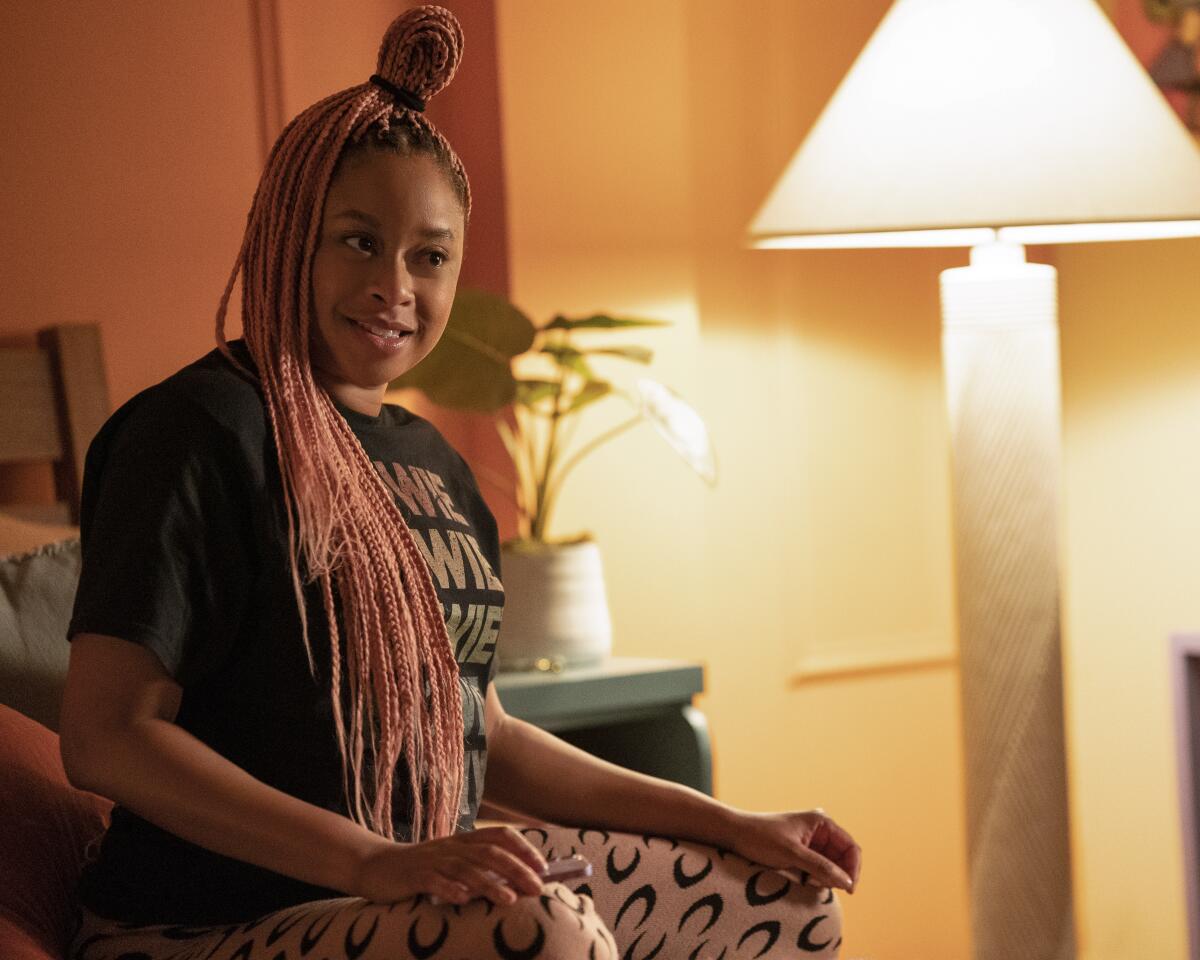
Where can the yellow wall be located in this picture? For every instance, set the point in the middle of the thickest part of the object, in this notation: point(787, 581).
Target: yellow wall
point(639, 139)
point(1130, 317)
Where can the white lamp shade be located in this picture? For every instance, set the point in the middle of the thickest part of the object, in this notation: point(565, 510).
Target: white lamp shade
point(972, 115)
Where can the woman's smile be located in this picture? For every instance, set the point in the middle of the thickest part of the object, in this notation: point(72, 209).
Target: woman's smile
point(385, 336)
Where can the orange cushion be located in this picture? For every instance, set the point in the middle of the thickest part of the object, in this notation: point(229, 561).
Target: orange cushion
point(46, 826)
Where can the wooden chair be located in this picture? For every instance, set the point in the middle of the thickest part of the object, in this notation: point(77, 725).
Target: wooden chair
point(53, 400)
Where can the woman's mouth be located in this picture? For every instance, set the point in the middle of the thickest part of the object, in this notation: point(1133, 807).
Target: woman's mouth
point(381, 334)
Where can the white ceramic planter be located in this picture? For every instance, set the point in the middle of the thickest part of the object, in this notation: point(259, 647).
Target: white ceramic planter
point(555, 607)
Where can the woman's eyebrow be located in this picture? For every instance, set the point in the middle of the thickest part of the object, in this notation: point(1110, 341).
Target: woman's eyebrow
point(352, 214)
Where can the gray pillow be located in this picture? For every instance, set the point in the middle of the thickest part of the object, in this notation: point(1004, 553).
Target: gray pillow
point(37, 591)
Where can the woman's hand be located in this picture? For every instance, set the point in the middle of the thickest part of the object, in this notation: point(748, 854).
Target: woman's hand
point(806, 840)
point(495, 862)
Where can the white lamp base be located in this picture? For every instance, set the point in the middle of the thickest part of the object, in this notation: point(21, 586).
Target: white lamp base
point(1000, 350)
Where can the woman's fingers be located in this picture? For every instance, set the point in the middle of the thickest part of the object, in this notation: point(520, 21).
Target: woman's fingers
point(825, 871)
point(517, 844)
point(518, 873)
point(836, 844)
point(483, 882)
point(497, 863)
point(442, 887)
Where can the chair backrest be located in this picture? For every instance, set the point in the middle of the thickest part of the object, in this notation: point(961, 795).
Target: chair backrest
point(53, 400)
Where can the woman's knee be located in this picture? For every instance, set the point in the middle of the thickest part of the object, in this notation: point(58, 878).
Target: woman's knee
point(557, 925)
point(817, 916)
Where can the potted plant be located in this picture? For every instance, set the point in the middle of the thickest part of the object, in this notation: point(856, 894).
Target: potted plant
point(556, 611)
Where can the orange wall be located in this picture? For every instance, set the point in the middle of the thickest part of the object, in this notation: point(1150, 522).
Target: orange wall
point(131, 158)
point(134, 134)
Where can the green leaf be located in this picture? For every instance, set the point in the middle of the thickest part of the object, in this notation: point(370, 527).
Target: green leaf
point(591, 392)
point(570, 358)
point(530, 392)
point(636, 354)
point(601, 321)
point(471, 366)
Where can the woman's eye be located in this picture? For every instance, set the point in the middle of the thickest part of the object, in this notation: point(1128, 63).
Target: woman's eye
point(436, 257)
point(360, 243)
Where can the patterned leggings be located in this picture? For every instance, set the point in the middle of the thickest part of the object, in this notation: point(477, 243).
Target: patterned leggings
point(648, 897)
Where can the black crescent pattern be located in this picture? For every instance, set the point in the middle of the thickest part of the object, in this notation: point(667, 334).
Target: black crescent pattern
point(604, 834)
point(770, 927)
point(423, 950)
point(310, 939)
point(537, 831)
point(507, 952)
point(578, 906)
point(283, 927)
point(756, 899)
point(631, 952)
point(805, 941)
point(621, 874)
point(647, 837)
point(715, 905)
point(257, 921)
point(356, 948)
point(685, 880)
point(646, 894)
point(547, 900)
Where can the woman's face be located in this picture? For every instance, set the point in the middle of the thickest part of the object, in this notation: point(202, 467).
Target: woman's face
point(384, 273)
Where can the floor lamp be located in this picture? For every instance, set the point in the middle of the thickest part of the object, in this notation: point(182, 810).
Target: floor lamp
point(991, 124)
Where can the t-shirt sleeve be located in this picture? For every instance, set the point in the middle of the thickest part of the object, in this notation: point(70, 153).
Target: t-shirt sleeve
point(166, 558)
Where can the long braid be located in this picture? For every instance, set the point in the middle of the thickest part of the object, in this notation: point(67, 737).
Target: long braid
point(345, 531)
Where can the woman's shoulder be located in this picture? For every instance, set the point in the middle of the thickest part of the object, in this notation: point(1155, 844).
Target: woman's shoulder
point(210, 395)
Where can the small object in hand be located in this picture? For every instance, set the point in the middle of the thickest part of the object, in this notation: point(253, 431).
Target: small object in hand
point(568, 868)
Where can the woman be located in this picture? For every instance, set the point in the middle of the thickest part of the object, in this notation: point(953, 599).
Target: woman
point(284, 632)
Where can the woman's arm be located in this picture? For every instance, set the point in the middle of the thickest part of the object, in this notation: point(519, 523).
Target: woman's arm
point(532, 772)
point(119, 740)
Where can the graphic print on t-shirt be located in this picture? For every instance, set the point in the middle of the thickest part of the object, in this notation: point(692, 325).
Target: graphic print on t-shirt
point(471, 595)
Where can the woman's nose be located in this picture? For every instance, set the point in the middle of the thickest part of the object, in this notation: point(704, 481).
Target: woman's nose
point(392, 283)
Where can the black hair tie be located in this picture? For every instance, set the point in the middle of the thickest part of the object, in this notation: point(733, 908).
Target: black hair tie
point(404, 97)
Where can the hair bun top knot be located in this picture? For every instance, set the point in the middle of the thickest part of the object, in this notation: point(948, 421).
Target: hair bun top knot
point(421, 50)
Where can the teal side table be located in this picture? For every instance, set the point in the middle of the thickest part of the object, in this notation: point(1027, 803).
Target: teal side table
point(634, 712)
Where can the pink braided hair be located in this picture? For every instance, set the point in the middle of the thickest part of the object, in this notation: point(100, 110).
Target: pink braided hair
point(345, 531)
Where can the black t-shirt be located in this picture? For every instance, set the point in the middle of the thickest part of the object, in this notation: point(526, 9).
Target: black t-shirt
point(185, 552)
